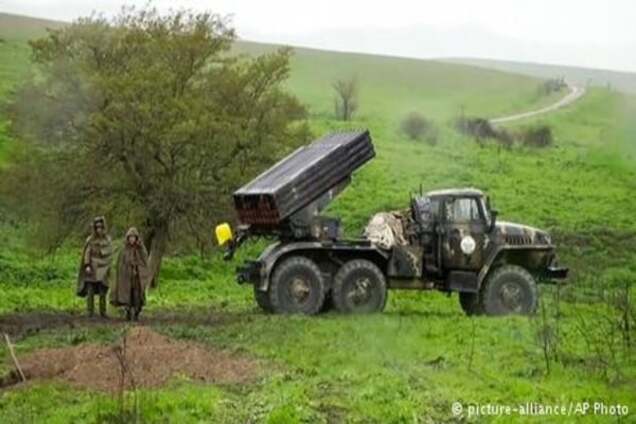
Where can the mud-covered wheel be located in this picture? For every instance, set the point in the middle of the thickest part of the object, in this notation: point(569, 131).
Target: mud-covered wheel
point(359, 287)
point(509, 289)
point(297, 287)
point(262, 299)
point(470, 303)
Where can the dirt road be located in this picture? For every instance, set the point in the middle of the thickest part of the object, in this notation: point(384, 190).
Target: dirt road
point(575, 92)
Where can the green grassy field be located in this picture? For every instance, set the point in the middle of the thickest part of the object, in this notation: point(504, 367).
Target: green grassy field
point(412, 362)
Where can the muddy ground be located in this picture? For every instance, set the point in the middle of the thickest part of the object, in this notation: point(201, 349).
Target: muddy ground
point(20, 325)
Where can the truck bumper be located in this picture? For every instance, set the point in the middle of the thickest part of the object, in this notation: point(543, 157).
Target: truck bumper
point(249, 272)
point(554, 272)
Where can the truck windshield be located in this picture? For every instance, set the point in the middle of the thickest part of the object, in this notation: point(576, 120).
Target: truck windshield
point(485, 208)
point(462, 209)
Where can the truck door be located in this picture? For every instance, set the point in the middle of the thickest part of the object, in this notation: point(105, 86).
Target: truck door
point(463, 233)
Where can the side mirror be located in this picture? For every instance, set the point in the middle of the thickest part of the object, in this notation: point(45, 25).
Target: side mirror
point(493, 218)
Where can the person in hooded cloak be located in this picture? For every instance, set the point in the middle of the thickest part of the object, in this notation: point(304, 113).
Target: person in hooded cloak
point(132, 276)
point(94, 271)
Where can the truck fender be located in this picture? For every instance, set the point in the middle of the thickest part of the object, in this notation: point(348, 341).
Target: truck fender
point(500, 250)
point(271, 255)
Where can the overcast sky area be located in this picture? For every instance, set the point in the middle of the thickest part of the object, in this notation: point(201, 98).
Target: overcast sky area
point(590, 33)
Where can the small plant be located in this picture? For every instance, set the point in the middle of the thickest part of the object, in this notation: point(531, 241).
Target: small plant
point(620, 299)
point(127, 413)
point(545, 337)
point(417, 127)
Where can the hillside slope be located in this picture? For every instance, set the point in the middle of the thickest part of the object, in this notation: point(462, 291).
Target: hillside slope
point(621, 81)
point(436, 89)
point(18, 27)
point(390, 87)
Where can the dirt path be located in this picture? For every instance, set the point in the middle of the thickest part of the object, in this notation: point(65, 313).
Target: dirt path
point(575, 92)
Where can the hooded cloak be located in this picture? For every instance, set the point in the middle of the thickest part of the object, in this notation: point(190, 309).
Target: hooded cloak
point(132, 268)
point(98, 254)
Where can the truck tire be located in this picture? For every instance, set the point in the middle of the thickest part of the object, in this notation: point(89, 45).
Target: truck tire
point(359, 287)
point(470, 303)
point(509, 289)
point(297, 287)
point(262, 300)
point(327, 305)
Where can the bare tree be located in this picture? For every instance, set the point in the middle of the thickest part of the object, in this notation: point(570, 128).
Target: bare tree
point(125, 375)
point(346, 101)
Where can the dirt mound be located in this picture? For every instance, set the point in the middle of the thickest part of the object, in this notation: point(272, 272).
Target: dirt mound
point(143, 358)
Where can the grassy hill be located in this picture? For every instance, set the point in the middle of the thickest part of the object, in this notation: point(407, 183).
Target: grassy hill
point(412, 362)
point(18, 27)
point(438, 90)
point(15, 30)
point(621, 81)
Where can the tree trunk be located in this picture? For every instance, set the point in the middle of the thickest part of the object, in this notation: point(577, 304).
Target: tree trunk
point(149, 235)
point(156, 253)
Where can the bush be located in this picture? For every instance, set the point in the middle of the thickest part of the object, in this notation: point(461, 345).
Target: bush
point(476, 127)
point(540, 136)
point(481, 128)
point(416, 126)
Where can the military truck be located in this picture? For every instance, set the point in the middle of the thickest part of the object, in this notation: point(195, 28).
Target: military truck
point(446, 240)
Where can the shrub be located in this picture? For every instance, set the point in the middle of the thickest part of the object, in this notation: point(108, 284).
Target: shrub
point(416, 126)
point(539, 136)
point(481, 128)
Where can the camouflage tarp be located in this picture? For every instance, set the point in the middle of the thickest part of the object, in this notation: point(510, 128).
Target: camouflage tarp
point(385, 229)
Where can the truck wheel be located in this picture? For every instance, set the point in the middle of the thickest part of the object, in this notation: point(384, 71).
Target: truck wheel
point(510, 289)
point(327, 305)
point(297, 287)
point(359, 287)
point(262, 300)
point(470, 303)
